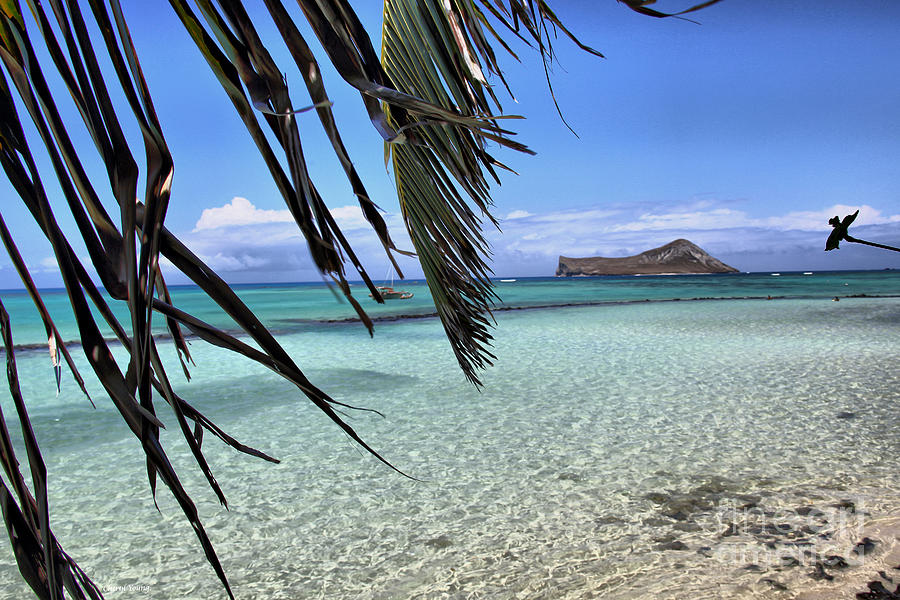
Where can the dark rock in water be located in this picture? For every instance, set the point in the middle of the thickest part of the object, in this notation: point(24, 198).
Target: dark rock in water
point(664, 539)
point(607, 520)
point(705, 551)
point(570, 476)
point(789, 561)
point(716, 485)
point(675, 545)
point(846, 415)
point(733, 529)
point(812, 529)
point(885, 576)
point(440, 542)
point(836, 562)
point(771, 529)
point(656, 522)
point(820, 573)
point(774, 583)
point(680, 256)
point(877, 591)
point(686, 526)
point(754, 568)
point(657, 497)
point(865, 546)
point(783, 528)
point(751, 498)
point(685, 504)
point(756, 512)
point(805, 511)
point(750, 501)
point(847, 505)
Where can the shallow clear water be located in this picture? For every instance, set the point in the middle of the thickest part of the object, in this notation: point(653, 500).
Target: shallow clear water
point(602, 434)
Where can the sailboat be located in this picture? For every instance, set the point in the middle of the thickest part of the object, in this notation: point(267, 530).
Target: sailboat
point(389, 293)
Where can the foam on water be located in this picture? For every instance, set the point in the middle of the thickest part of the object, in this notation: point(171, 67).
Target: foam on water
point(603, 435)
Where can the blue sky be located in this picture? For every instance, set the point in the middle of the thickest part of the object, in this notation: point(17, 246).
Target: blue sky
point(743, 133)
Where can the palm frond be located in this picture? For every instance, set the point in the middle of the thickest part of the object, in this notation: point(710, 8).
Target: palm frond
point(440, 52)
point(428, 95)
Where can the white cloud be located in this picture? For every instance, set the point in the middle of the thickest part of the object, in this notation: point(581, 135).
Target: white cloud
point(694, 219)
point(245, 243)
point(592, 215)
point(717, 218)
point(48, 263)
point(350, 217)
point(518, 214)
point(239, 211)
point(813, 220)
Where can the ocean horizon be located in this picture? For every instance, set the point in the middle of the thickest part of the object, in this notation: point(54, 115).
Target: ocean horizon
point(689, 436)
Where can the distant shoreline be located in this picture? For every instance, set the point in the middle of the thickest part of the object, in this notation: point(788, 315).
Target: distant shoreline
point(496, 279)
point(42, 346)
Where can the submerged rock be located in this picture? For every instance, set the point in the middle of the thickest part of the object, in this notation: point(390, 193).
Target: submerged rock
point(657, 497)
point(865, 546)
point(440, 542)
point(679, 515)
point(750, 501)
point(715, 485)
point(774, 583)
point(819, 573)
point(753, 567)
point(771, 529)
point(680, 506)
point(674, 545)
point(836, 562)
point(877, 591)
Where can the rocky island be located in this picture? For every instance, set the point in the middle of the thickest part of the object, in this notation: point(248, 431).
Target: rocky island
point(678, 257)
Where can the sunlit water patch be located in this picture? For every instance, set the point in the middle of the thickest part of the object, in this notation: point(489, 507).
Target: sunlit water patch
point(609, 451)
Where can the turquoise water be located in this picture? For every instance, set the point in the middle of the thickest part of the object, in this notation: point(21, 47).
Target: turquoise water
point(604, 434)
point(289, 308)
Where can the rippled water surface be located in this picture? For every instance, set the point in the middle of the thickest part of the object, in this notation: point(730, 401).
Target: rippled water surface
point(610, 449)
